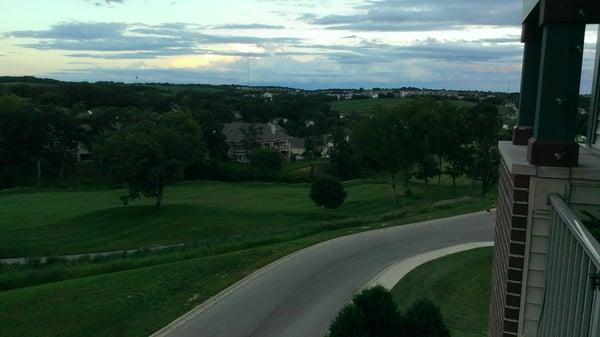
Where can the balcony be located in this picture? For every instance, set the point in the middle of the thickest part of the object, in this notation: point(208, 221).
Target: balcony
point(571, 302)
point(545, 262)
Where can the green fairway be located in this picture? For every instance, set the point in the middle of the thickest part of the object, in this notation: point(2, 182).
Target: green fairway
point(459, 284)
point(57, 222)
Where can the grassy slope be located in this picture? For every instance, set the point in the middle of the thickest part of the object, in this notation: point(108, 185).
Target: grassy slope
point(139, 301)
point(459, 284)
point(136, 295)
point(64, 222)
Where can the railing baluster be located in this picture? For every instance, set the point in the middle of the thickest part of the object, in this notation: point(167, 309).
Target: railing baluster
point(573, 284)
point(571, 305)
point(547, 306)
point(587, 306)
point(581, 290)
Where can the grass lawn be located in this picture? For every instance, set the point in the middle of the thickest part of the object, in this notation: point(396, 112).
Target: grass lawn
point(239, 227)
point(140, 301)
point(459, 284)
point(57, 222)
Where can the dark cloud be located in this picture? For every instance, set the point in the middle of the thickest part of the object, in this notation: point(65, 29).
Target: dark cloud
point(75, 31)
point(148, 41)
point(415, 15)
point(368, 52)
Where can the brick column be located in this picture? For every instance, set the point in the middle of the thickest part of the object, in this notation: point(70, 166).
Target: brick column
point(509, 250)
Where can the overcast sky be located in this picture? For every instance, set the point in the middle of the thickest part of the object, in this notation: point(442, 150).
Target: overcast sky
point(457, 44)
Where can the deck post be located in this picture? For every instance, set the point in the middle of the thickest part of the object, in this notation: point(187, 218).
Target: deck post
point(553, 142)
point(532, 37)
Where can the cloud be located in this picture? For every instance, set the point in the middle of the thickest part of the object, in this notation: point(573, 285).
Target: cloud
point(416, 15)
point(248, 26)
point(147, 41)
point(320, 72)
point(75, 31)
point(106, 3)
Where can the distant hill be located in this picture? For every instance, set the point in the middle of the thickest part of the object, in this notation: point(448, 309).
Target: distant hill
point(28, 79)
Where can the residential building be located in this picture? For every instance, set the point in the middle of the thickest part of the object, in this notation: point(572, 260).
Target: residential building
point(240, 137)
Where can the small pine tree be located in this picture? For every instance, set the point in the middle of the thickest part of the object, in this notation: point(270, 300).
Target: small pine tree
point(424, 318)
point(327, 192)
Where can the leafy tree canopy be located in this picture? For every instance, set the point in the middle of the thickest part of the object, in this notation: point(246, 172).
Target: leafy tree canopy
point(151, 154)
point(327, 192)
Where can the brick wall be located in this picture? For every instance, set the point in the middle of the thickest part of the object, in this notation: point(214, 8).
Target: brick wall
point(509, 250)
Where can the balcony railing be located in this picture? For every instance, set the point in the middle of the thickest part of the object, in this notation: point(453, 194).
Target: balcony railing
point(571, 304)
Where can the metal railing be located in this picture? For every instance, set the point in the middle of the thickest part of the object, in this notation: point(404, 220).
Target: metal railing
point(571, 304)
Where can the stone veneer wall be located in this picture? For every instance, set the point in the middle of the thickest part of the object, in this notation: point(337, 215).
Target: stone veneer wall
point(510, 237)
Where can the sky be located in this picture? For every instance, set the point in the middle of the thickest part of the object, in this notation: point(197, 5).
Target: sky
point(309, 44)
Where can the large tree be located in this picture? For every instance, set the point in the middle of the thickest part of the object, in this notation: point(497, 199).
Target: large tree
point(23, 140)
point(65, 132)
point(391, 140)
point(151, 154)
point(344, 159)
point(483, 126)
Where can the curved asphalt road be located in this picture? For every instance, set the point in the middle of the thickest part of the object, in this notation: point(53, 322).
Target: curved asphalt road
point(301, 294)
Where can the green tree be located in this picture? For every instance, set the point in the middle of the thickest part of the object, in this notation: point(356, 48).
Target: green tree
point(483, 125)
point(327, 192)
point(311, 151)
point(344, 159)
point(65, 131)
point(350, 322)
point(24, 138)
point(381, 314)
point(267, 161)
point(151, 154)
point(372, 313)
point(424, 318)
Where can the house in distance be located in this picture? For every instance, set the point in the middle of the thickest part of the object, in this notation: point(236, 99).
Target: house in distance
point(242, 137)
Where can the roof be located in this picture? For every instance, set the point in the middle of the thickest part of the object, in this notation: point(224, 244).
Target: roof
point(234, 132)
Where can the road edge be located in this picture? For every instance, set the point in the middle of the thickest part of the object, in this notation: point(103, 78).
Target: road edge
point(397, 271)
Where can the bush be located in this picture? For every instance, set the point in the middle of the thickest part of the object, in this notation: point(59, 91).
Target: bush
point(350, 322)
point(328, 192)
point(372, 313)
point(424, 319)
point(267, 161)
point(382, 317)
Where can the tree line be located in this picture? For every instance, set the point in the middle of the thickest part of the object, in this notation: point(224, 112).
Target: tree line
point(421, 139)
point(146, 137)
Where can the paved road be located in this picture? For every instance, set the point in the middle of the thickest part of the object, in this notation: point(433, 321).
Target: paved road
point(299, 296)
